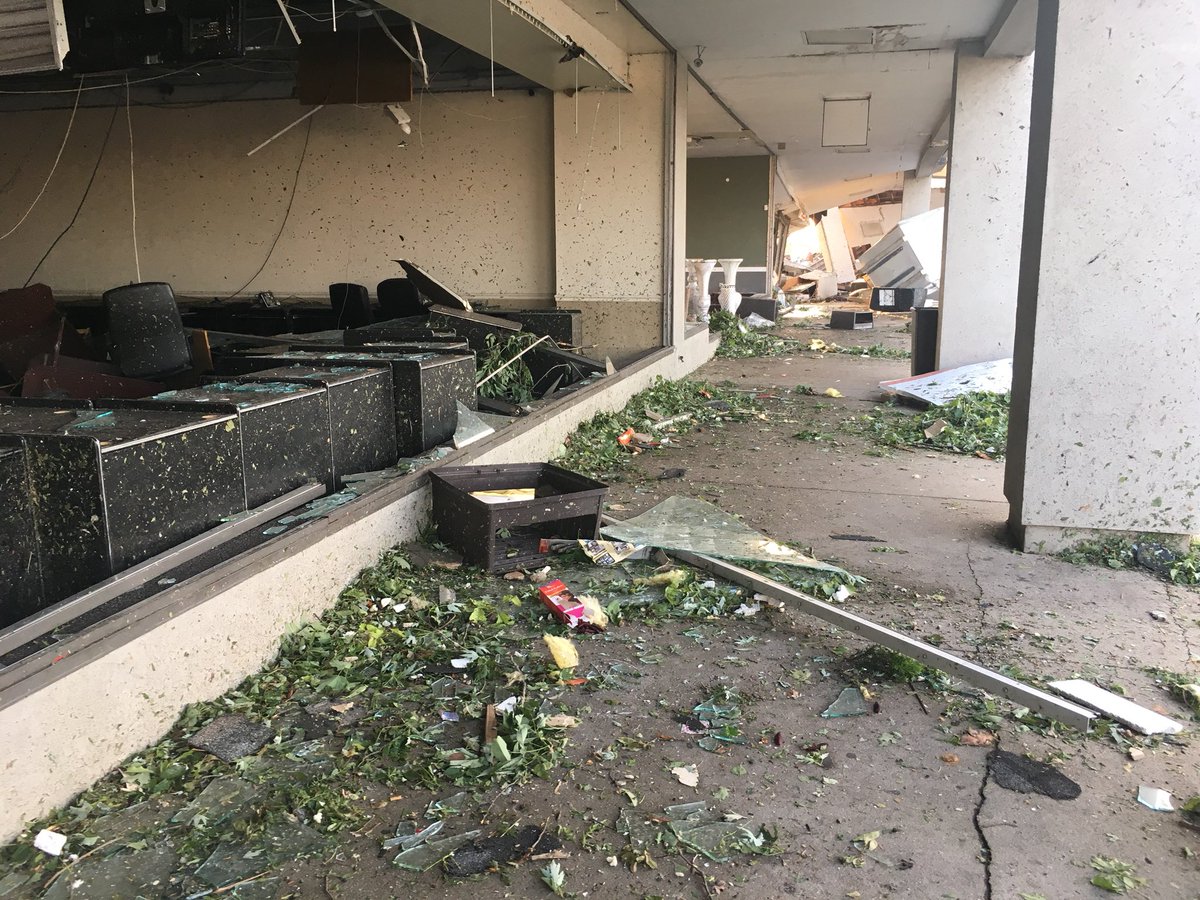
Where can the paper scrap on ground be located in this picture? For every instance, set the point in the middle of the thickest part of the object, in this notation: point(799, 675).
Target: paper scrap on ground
point(51, 842)
point(683, 523)
point(936, 388)
point(687, 775)
point(609, 553)
point(1116, 707)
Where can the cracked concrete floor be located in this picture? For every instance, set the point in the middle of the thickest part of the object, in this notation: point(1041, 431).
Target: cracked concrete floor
point(946, 829)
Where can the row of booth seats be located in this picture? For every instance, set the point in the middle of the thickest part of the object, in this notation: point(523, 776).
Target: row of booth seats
point(91, 488)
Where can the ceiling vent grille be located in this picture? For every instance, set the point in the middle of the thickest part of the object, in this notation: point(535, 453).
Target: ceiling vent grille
point(33, 36)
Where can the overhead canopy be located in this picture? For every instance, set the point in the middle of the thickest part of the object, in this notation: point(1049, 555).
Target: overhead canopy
point(775, 63)
point(547, 42)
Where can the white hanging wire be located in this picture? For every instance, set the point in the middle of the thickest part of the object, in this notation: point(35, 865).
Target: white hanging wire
point(492, 44)
point(137, 262)
point(290, 24)
point(46, 183)
point(587, 161)
point(333, 12)
point(420, 52)
point(418, 60)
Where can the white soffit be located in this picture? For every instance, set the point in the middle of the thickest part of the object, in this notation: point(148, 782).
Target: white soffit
point(523, 35)
point(773, 62)
point(33, 36)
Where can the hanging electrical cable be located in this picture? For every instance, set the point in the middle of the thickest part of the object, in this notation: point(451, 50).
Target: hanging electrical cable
point(53, 168)
point(137, 262)
point(82, 200)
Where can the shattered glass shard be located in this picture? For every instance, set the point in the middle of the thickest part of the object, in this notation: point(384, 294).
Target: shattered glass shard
point(225, 799)
point(426, 856)
point(144, 873)
point(233, 862)
point(849, 702)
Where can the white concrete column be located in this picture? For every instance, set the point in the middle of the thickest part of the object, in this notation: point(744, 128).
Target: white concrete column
point(834, 247)
point(676, 261)
point(916, 195)
point(1105, 432)
point(610, 208)
point(985, 198)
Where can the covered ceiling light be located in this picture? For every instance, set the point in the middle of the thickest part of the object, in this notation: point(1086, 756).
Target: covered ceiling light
point(400, 114)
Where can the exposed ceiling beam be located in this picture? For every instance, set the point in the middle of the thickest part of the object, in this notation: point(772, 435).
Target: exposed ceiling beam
point(1014, 31)
point(935, 151)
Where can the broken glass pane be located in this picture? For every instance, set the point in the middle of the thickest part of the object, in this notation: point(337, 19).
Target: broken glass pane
point(233, 862)
point(428, 855)
point(144, 873)
point(225, 799)
point(683, 523)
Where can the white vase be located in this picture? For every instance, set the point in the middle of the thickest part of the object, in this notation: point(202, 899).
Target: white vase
point(730, 298)
point(698, 300)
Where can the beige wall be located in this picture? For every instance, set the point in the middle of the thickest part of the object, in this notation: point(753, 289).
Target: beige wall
point(471, 197)
point(609, 185)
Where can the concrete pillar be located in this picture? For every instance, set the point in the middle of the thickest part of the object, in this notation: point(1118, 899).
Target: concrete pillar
point(916, 196)
point(985, 199)
point(676, 262)
point(1105, 431)
point(834, 247)
point(611, 196)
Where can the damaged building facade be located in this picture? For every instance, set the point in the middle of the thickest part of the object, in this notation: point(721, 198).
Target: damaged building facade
point(537, 161)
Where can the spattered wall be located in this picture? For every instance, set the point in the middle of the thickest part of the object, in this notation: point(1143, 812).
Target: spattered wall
point(610, 187)
point(470, 197)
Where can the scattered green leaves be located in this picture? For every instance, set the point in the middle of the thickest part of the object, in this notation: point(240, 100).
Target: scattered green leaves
point(1121, 552)
point(1115, 876)
point(738, 341)
point(555, 878)
point(882, 664)
point(593, 449)
point(512, 381)
point(972, 424)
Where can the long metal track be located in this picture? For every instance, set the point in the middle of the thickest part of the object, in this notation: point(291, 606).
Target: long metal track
point(1039, 701)
point(85, 601)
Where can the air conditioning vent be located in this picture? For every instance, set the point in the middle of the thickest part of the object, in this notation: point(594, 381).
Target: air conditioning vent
point(33, 36)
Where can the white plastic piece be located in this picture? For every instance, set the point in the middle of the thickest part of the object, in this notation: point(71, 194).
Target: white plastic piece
point(1140, 719)
point(403, 119)
point(1155, 798)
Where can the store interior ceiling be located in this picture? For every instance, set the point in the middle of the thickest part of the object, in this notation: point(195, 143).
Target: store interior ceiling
point(253, 55)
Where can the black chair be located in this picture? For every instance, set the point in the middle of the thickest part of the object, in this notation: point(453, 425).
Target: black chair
point(399, 298)
point(145, 332)
point(351, 304)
